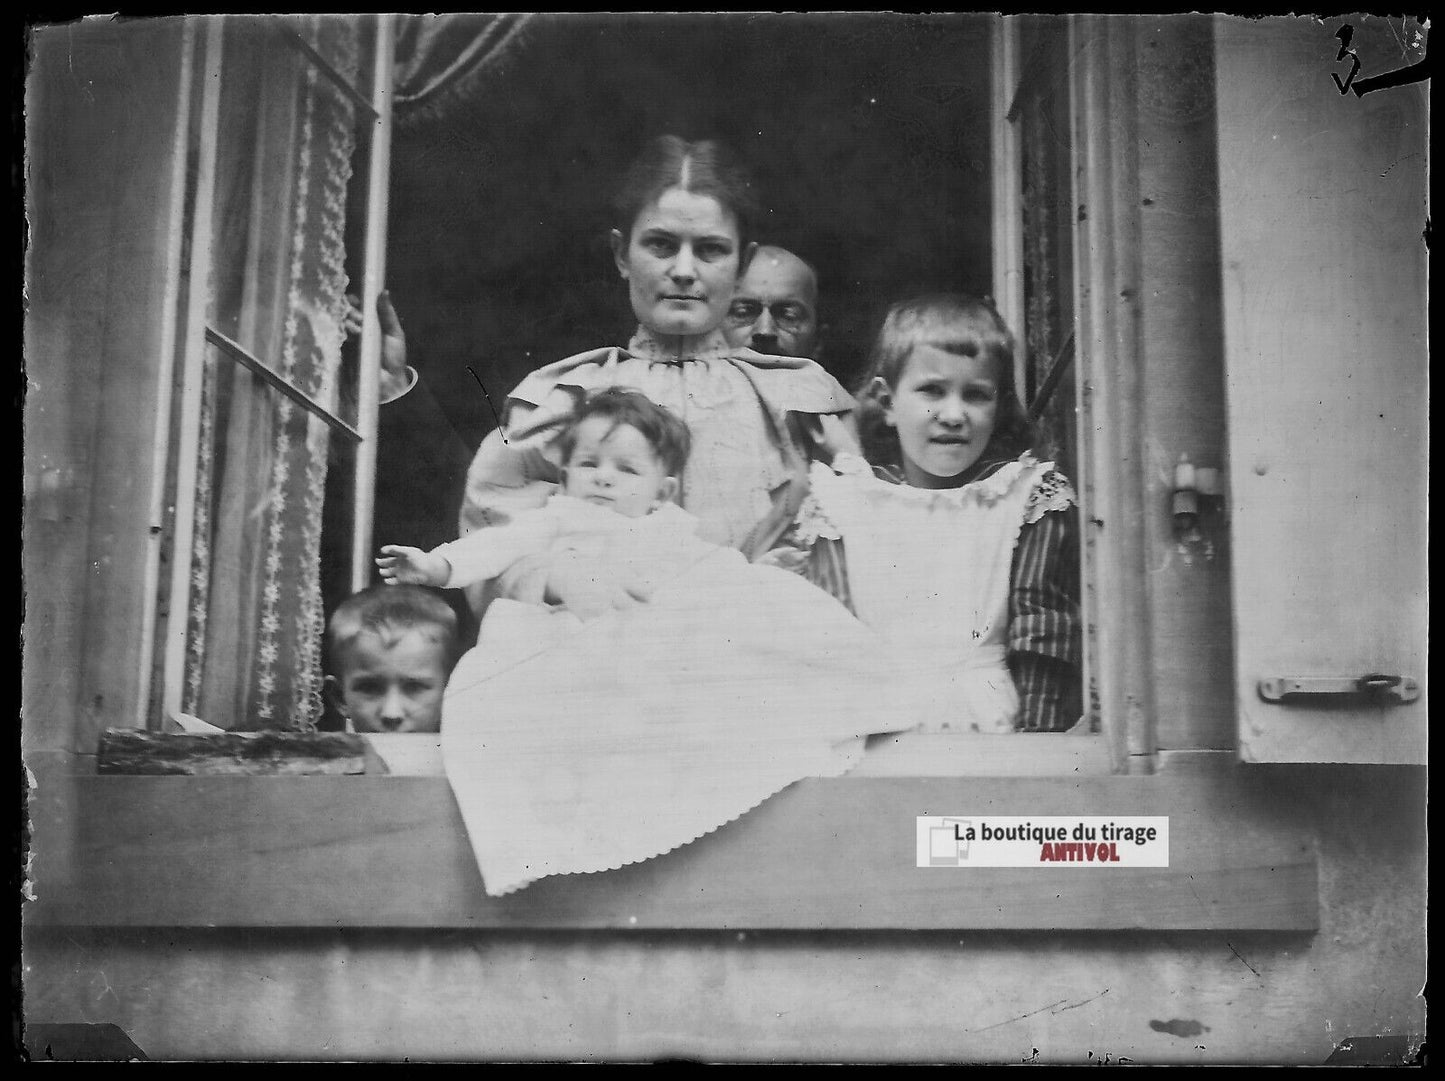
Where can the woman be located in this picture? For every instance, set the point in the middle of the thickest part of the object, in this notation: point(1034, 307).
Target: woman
point(682, 241)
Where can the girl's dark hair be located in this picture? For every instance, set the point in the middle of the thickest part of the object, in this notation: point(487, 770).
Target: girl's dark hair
point(665, 433)
point(963, 325)
point(703, 168)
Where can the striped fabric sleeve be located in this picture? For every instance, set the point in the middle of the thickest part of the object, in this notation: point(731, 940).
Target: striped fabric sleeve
point(1044, 640)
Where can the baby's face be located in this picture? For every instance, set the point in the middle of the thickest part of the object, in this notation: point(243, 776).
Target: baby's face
point(394, 685)
point(613, 465)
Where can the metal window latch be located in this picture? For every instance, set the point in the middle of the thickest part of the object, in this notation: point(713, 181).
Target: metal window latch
point(1373, 688)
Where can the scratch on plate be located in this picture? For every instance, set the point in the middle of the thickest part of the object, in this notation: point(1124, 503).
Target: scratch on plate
point(1242, 961)
point(1084, 1002)
point(1053, 1007)
point(1020, 1017)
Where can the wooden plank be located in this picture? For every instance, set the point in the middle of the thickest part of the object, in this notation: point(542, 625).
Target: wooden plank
point(903, 754)
point(393, 852)
point(1323, 202)
point(254, 754)
point(274, 379)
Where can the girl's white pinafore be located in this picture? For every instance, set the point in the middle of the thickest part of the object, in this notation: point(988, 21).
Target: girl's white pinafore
point(929, 571)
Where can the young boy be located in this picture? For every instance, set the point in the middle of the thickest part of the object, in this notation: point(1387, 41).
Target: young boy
point(391, 650)
point(621, 459)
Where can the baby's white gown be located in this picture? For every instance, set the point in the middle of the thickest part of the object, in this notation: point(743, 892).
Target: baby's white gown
point(578, 747)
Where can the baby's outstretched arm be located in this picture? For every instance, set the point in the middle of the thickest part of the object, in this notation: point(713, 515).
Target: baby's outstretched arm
point(411, 566)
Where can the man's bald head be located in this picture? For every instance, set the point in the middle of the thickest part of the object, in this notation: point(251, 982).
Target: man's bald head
point(775, 306)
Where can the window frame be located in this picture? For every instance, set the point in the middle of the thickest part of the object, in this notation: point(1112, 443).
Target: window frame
point(383, 851)
point(1099, 82)
point(204, 39)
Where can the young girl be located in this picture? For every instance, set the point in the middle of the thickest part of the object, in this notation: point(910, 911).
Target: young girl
point(957, 545)
point(585, 738)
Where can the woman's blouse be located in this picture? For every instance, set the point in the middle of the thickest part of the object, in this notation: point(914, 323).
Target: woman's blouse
point(734, 401)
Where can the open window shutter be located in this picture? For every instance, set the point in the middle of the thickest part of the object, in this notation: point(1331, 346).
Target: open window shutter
point(1322, 206)
point(107, 108)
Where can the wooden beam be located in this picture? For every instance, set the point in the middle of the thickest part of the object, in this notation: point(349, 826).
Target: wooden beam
point(254, 754)
point(167, 319)
point(393, 852)
point(1117, 643)
point(306, 49)
point(1007, 188)
point(373, 279)
point(274, 379)
point(188, 439)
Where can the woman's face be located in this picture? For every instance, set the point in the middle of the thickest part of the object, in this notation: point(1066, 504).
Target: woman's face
point(681, 263)
point(945, 408)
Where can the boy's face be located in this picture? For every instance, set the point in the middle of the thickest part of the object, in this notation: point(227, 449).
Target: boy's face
point(614, 466)
point(393, 686)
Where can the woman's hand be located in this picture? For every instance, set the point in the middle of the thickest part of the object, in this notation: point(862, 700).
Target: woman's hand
point(838, 434)
point(411, 566)
point(396, 377)
point(825, 435)
point(785, 557)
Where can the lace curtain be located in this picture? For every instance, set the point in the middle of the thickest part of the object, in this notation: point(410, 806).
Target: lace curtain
point(255, 617)
point(277, 286)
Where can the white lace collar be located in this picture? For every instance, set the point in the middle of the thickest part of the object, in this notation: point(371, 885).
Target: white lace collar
point(987, 490)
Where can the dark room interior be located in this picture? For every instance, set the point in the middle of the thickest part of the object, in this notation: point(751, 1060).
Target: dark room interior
point(867, 137)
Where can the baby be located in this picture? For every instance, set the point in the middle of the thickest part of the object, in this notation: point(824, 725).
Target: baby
point(601, 732)
point(622, 457)
point(391, 651)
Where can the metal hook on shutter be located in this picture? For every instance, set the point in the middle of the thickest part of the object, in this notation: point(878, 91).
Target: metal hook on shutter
point(1375, 687)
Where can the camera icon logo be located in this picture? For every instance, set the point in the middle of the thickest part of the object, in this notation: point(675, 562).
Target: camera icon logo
point(946, 844)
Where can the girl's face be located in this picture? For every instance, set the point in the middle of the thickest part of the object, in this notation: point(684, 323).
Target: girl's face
point(681, 263)
point(944, 408)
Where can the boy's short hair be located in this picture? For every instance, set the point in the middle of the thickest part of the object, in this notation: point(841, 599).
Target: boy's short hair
point(389, 611)
point(665, 433)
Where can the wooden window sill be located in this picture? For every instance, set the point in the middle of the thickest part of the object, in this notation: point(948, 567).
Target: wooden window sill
point(391, 851)
point(907, 754)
